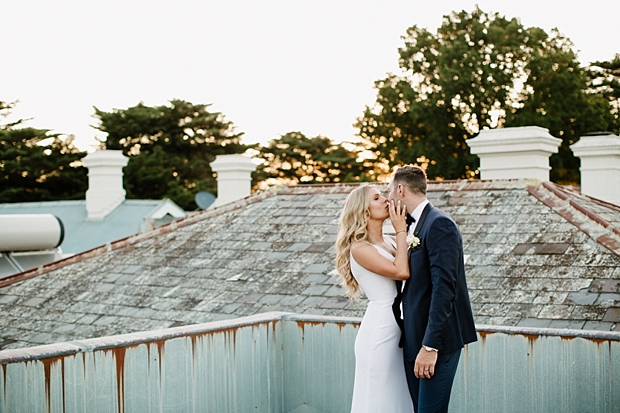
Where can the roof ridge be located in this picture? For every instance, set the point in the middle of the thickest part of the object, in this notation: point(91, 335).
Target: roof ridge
point(589, 222)
point(140, 236)
point(433, 185)
point(587, 197)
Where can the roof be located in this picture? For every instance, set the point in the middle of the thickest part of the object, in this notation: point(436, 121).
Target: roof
point(538, 255)
point(128, 218)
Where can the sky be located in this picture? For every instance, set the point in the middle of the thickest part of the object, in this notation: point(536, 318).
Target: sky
point(270, 66)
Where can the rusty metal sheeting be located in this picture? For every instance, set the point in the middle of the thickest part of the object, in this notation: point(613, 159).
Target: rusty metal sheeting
point(262, 363)
point(539, 370)
point(281, 362)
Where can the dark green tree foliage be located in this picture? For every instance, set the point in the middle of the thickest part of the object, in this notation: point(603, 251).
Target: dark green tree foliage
point(604, 79)
point(294, 158)
point(555, 97)
point(469, 76)
point(36, 165)
point(170, 148)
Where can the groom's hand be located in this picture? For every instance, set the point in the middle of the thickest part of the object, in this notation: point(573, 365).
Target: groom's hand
point(425, 364)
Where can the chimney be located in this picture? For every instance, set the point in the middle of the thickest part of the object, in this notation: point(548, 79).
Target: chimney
point(600, 165)
point(234, 177)
point(105, 182)
point(514, 153)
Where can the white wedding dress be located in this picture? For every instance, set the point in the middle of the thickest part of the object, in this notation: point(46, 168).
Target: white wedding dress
point(380, 381)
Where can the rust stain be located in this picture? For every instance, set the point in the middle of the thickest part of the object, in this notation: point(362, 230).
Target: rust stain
point(193, 339)
point(64, 393)
point(47, 369)
point(558, 192)
point(160, 351)
point(119, 357)
point(598, 340)
point(4, 373)
point(302, 324)
point(594, 217)
point(483, 334)
point(119, 354)
point(84, 364)
point(610, 243)
point(530, 337)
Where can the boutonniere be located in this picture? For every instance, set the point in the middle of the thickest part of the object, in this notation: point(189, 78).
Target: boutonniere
point(413, 241)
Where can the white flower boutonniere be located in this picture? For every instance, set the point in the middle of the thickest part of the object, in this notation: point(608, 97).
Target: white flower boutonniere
point(413, 241)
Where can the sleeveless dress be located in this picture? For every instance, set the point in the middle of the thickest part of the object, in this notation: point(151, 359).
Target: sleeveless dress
point(380, 381)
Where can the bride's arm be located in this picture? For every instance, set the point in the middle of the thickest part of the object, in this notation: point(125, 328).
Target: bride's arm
point(368, 257)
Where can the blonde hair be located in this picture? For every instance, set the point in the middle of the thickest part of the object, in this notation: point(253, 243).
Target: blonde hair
point(352, 228)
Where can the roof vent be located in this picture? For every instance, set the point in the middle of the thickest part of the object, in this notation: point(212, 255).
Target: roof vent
point(514, 153)
point(600, 165)
point(234, 177)
point(105, 182)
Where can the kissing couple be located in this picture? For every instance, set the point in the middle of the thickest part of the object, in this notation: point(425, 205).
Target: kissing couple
point(419, 316)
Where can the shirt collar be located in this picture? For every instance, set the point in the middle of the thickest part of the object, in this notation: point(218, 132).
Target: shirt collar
point(418, 211)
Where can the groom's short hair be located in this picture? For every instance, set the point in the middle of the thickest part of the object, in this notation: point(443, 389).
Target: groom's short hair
point(412, 177)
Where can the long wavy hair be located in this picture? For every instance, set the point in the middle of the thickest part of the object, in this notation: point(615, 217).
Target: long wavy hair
point(352, 228)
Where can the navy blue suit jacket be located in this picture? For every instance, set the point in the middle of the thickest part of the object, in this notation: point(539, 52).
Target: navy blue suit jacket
point(436, 308)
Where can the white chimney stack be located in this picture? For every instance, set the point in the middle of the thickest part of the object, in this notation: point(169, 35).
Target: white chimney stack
point(234, 178)
point(600, 166)
point(105, 182)
point(514, 153)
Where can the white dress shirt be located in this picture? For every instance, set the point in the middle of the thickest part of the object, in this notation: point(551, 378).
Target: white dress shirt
point(416, 214)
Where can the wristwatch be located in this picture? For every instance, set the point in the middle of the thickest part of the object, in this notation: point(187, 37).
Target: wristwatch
point(429, 349)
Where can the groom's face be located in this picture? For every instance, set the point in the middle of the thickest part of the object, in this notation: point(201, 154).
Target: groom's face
point(391, 192)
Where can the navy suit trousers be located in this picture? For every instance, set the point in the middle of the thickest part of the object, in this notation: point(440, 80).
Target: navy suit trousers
point(433, 395)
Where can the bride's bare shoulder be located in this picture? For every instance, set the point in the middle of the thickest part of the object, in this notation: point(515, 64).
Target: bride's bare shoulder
point(360, 246)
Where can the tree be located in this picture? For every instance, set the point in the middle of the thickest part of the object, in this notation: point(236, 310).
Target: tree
point(294, 158)
point(475, 72)
point(170, 148)
point(36, 165)
point(556, 97)
point(604, 79)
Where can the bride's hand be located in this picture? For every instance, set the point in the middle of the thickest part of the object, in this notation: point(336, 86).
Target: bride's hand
point(398, 214)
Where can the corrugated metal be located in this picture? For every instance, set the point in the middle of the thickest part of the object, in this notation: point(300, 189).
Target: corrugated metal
point(539, 370)
point(319, 363)
point(278, 362)
point(217, 367)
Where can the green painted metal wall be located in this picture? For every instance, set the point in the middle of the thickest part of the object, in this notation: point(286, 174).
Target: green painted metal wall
point(539, 371)
point(279, 362)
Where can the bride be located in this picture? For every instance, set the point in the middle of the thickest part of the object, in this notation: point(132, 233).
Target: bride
point(368, 259)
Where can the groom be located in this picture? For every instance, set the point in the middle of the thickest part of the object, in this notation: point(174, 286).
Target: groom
point(436, 312)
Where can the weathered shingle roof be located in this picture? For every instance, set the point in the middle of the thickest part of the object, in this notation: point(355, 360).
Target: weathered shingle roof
point(537, 255)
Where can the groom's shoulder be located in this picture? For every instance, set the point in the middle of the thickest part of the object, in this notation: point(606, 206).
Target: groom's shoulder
point(439, 213)
point(436, 214)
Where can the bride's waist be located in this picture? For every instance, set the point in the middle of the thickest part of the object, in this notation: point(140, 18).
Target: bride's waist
point(381, 301)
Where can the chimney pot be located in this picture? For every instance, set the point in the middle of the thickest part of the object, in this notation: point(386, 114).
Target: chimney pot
point(514, 153)
point(105, 182)
point(600, 165)
point(234, 177)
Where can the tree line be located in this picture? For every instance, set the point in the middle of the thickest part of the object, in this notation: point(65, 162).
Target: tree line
point(477, 71)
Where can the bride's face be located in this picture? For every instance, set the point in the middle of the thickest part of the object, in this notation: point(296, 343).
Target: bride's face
point(378, 205)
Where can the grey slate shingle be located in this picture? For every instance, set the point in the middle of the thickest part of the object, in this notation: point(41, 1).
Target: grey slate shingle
point(533, 259)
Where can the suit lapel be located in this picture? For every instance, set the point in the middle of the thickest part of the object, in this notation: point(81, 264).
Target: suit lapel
point(423, 216)
point(416, 231)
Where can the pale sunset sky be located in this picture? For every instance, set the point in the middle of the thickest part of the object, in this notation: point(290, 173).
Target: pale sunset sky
point(270, 66)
